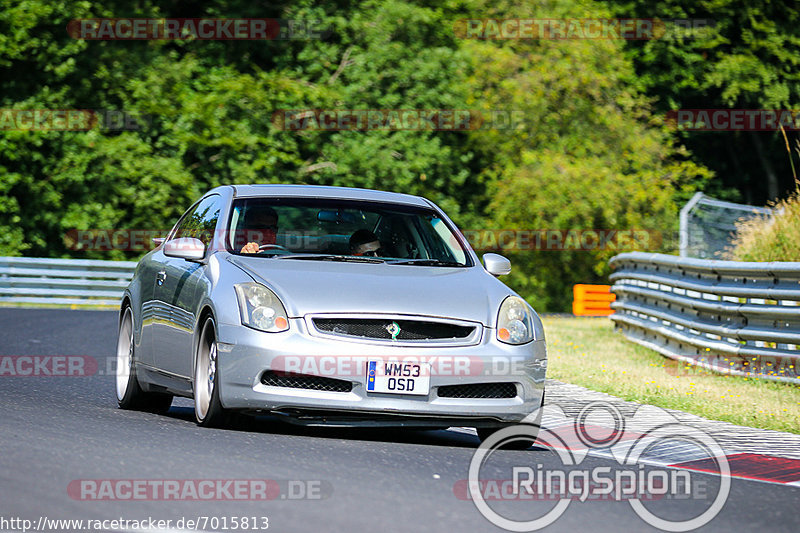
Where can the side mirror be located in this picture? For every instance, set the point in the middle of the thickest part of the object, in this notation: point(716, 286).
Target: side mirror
point(496, 264)
point(187, 248)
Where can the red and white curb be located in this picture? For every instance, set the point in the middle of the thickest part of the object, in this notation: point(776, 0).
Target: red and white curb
point(676, 454)
point(752, 454)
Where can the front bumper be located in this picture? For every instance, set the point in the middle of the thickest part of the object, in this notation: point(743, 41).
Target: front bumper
point(245, 354)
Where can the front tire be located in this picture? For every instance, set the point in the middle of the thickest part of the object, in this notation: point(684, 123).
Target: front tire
point(527, 434)
point(208, 410)
point(129, 393)
point(524, 441)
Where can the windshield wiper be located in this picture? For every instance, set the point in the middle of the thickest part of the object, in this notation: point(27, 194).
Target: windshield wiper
point(331, 257)
point(426, 262)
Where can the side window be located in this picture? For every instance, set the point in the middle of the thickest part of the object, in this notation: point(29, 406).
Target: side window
point(201, 221)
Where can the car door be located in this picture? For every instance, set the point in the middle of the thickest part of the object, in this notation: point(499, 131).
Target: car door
point(157, 312)
point(176, 291)
point(153, 316)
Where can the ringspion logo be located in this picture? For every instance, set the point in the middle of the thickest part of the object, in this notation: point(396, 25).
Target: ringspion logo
point(629, 441)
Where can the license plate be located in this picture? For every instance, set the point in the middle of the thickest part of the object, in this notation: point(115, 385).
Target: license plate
point(397, 377)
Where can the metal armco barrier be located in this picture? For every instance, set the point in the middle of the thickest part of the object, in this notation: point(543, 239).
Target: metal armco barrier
point(726, 316)
point(592, 300)
point(63, 281)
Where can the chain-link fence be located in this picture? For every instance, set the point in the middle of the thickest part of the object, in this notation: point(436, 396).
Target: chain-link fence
point(709, 225)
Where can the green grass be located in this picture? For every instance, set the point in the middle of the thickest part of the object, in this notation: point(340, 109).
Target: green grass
point(588, 352)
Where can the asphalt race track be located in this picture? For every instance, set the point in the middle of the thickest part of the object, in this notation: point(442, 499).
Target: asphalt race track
point(56, 431)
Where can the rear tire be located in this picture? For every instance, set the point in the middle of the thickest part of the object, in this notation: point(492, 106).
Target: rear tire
point(208, 410)
point(129, 393)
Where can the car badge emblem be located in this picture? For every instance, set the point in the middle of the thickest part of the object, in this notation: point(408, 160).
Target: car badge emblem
point(393, 329)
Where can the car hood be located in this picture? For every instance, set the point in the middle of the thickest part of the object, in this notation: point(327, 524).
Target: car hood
point(306, 286)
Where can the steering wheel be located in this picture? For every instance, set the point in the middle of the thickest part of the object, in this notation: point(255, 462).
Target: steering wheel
point(264, 247)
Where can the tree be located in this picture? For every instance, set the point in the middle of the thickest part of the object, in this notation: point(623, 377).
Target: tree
point(746, 59)
point(588, 154)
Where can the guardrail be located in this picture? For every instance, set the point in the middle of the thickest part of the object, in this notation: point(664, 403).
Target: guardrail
point(726, 316)
point(63, 281)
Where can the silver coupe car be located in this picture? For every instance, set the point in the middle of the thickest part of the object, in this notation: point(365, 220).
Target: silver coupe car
point(328, 305)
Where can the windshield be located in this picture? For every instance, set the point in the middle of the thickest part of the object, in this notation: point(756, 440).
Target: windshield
point(310, 228)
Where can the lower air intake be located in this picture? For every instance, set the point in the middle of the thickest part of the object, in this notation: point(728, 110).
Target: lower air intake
point(303, 381)
point(479, 390)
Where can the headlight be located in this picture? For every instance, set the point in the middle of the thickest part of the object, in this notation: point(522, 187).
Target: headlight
point(515, 321)
point(260, 308)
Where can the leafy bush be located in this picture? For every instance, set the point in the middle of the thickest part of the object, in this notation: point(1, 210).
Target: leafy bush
point(775, 238)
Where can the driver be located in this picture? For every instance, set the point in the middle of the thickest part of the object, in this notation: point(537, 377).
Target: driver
point(260, 227)
point(364, 242)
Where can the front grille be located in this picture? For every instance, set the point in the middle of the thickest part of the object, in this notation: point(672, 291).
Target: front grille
point(381, 328)
point(304, 381)
point(479, 390)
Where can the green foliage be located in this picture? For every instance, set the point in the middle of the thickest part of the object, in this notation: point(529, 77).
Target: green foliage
point(587, 156)
point(775, 238)
point(746, 56)
point(746, 59)
point(590, 151)
point(207, 109)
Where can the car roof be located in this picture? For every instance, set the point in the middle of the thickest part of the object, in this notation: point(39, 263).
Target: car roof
point(323, 191)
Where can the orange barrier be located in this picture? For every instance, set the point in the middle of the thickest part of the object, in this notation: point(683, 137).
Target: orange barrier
point(592, 300)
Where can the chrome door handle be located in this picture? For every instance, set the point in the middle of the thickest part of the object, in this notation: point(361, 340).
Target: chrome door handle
point(160, 277)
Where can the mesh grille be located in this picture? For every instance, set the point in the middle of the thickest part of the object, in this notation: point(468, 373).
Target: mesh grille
point(301, 381)
point(479, 390)
point(379, 328)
